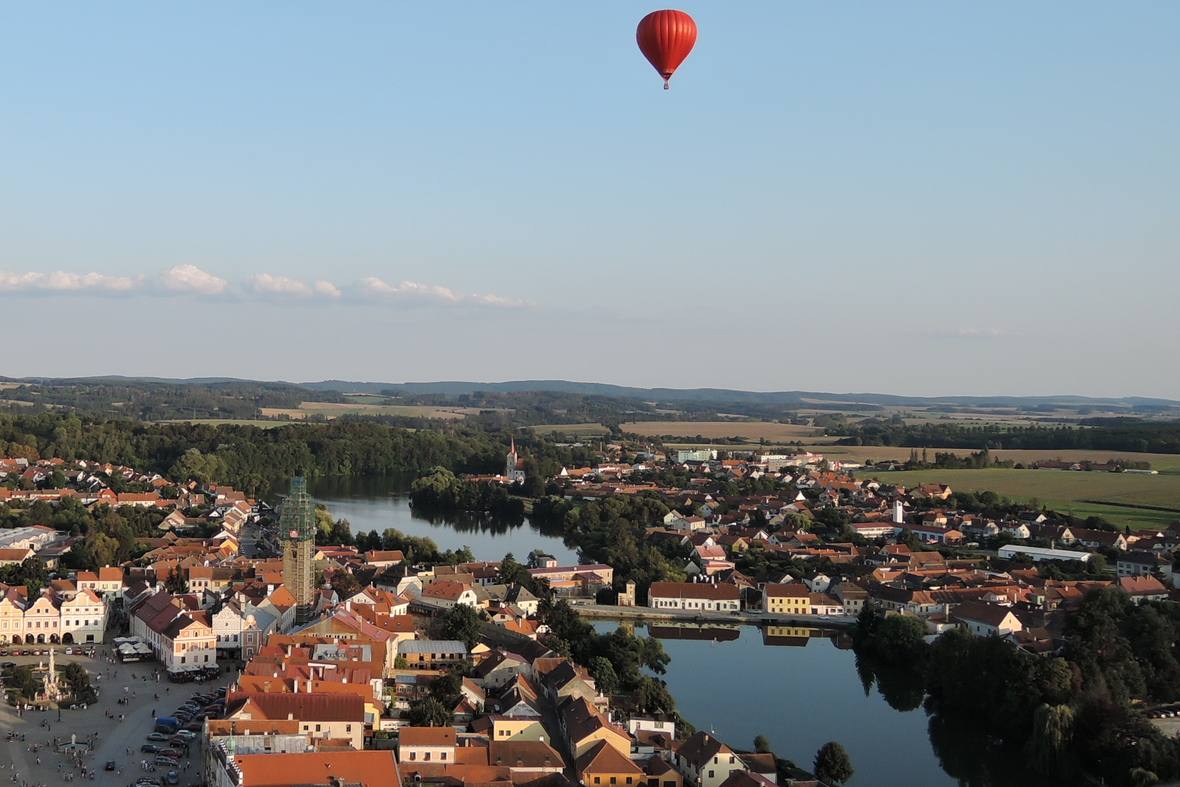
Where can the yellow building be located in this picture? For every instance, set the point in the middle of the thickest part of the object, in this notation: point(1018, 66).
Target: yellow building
point(786, 599)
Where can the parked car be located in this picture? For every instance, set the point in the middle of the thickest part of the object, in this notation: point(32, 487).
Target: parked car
point(157, 736)
point(172, 777)
point(149, 748)
point(187, 734)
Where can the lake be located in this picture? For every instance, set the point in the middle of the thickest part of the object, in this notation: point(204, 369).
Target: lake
point(380, 503)
point(795, 686)
point(800, 691)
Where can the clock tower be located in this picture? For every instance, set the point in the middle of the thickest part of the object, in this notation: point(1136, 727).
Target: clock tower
point(297, 532)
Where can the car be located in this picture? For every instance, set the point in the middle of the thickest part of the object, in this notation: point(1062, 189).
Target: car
point(167, 754)
point(110, 766)
point(157, 736)
point(172, 777)
point(149, 748)
point(187, 734)
point(195, 726)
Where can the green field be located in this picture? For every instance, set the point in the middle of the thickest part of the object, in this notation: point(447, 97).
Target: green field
point(1063, 490)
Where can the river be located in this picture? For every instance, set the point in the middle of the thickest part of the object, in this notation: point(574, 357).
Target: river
point(380, 503)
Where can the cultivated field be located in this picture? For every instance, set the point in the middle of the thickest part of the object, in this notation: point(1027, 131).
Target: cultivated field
point(861, 453)
point(749, 431)
point(576, 430)
point(335, 409)
point(1079, 493)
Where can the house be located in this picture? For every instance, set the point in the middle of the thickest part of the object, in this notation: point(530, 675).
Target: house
point(525, 757)
point(509, 728)
point(786, 599)
point(1099, 539)
point(583, 726)
point(326, 768)
point(426, 744)
point(931, 492)
point(320, 715)
point(1138, 563)
point(180, 635)
point(384, 558)
point(1143, 588)
point(985, 620)
point(15, 555)
point(431, 653)
point(447, 593)
point(603, 764)
point(701, 596)
point(704, 761)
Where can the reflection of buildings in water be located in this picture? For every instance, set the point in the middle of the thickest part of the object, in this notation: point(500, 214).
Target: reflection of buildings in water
point(706, 633)
point(793, 636)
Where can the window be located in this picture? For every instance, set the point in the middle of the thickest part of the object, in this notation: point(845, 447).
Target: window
point(711, 773)
point(427, 757)
point(413, 756)
point(317, 728)
point(598, 780)
point(612, 780)
point(731, 759)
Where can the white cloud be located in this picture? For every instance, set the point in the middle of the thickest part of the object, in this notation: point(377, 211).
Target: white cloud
point(327, 289)
point(435, 293)
point(191, 279)
point(61, 281)
point(267, 284)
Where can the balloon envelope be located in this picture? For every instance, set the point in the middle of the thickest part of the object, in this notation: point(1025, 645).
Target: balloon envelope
point(665, 38)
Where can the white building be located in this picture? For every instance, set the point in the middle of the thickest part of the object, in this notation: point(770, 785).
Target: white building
point(700, 596)
point(1040, 554)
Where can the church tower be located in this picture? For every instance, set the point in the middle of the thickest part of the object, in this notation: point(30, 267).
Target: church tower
point(513, 467)
point(297, 530)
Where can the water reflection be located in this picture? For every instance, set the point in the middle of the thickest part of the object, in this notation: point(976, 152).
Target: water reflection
point(378, 503)
point(798, 686)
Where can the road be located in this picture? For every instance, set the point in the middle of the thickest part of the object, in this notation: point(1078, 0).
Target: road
point(115, 737)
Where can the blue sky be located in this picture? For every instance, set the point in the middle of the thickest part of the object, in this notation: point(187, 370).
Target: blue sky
point(917, 197)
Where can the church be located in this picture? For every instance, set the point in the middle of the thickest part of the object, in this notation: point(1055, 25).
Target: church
point(513, 466)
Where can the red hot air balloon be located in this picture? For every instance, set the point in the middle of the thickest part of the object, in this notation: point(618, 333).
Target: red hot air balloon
point(666, 38)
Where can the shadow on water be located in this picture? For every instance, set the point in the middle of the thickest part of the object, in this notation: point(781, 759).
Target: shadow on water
point(382, 502)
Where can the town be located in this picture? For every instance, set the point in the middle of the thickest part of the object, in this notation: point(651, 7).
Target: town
point(347, 661)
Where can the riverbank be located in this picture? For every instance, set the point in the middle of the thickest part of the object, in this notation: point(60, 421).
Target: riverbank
point(745, 618)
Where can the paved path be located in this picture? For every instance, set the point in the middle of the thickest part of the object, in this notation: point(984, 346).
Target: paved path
point(114, 737)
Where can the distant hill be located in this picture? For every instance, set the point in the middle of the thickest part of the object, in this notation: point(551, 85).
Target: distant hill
point(451, 388)
point(721, 395)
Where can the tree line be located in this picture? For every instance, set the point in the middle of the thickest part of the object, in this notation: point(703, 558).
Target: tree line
point(1161, 437)
point(1072, 718)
